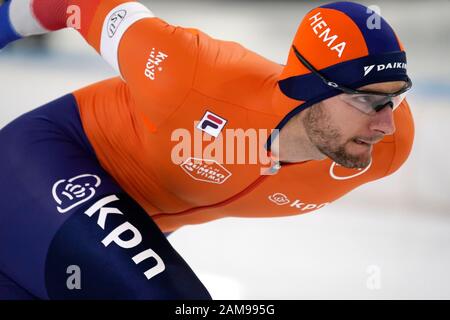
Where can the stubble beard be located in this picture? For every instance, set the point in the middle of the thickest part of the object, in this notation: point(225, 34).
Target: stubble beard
point(327, 139)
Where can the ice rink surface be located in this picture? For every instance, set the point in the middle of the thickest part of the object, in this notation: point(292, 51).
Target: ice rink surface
point(386, 240)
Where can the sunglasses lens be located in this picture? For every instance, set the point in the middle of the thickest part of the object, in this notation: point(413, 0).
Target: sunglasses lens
point(371, 103)
point(398, 100)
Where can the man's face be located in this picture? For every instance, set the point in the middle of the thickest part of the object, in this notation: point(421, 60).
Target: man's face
point(345, 134)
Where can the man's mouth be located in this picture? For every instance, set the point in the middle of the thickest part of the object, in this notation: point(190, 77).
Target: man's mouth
point(365, 142)
point(359, 141)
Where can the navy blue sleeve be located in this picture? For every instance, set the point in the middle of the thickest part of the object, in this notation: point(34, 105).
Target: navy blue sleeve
point(67, 229)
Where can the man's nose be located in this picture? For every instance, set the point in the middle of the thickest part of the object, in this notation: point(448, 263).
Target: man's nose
point(383, 121)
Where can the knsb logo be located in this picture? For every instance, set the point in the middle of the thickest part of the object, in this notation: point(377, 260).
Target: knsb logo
point(212, 124)
point(114, 22)
point(75, 191)
point(205, 170)
point(339, 172)
point(281, 199)
point(381, 67)
point(153, 63)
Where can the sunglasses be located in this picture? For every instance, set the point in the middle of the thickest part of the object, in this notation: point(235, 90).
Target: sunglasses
point(369, 102)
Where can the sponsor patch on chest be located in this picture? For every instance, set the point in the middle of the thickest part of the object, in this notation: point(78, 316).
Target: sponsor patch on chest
point(205, 170)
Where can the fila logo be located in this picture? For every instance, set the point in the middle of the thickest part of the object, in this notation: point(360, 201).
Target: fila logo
point(212, 124)
point(114, 22)
point(381, 67)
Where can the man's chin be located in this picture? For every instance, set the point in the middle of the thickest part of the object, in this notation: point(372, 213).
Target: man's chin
point(351, 161)
point(348, 157)
point(354, 161)
point(354, 164)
